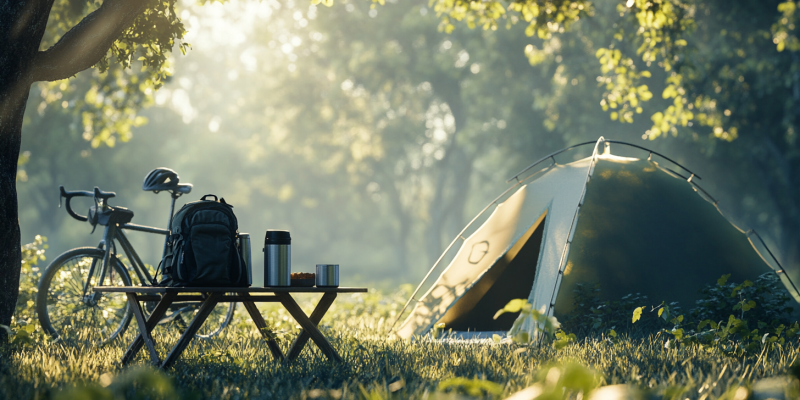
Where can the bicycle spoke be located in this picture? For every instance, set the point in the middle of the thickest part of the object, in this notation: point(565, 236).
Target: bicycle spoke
point(74, 314)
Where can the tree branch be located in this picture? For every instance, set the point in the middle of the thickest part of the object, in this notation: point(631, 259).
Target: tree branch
point(87, 42)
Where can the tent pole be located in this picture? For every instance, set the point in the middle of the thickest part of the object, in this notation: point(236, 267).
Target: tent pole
point(573, 225)
point(782, 270)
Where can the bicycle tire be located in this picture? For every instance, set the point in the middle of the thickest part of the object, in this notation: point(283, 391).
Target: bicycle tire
point(62, 305)
point(214, 324)
point(223, 313)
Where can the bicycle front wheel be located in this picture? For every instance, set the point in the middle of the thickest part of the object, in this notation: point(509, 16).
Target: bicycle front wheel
point(69, 309)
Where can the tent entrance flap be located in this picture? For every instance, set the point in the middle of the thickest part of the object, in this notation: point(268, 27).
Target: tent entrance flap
point(511, 277)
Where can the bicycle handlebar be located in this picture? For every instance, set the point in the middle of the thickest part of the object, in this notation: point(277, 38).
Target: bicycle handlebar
point(69, 196)
point(99, 194)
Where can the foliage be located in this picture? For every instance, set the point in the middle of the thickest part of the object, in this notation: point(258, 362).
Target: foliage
point(590, 315)
point(765, 299)
point(534, 324)
point(106, 106)
point(30, 273)
point(730, 317)
point(472, 387)
point(135, 383)
point(24, 318)
point(753, 331)
point(784, 32)
point(543, 17)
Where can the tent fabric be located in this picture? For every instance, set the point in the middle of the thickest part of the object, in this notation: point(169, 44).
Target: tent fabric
point(626, 224)
point(642, 229)
point(505, 226)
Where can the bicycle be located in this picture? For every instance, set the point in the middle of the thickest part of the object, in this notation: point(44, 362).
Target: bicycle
point(67, 306)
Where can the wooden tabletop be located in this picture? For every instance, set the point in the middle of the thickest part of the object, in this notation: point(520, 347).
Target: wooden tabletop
point(274, 289)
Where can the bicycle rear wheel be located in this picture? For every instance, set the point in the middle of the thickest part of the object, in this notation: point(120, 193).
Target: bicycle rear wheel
point(219, 319)
point(68, 312)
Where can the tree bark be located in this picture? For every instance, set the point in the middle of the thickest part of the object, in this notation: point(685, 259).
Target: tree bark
point(22, 25)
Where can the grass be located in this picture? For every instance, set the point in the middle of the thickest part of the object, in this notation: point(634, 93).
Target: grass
point(238, 365)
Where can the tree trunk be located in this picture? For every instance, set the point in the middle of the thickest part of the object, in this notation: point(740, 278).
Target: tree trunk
point(446, 204)
point(11, 112)
point(22, 25)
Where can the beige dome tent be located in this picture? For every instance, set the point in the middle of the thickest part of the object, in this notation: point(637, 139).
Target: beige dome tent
point(628, 224)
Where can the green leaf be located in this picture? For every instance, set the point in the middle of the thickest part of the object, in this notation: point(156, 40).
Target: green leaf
point(515, 305)
point(723, 279)
point(663, 312)
point(521, 338)
point(637, 314)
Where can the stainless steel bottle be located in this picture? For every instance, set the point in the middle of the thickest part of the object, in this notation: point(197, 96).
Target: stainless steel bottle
point(244, 251)
point(277, 258)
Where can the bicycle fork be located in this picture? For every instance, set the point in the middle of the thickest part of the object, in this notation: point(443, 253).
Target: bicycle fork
point(107, 244)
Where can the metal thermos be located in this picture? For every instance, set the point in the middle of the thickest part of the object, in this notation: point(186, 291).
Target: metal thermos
point(327, 275)
point(277, 258)
point(244, 251)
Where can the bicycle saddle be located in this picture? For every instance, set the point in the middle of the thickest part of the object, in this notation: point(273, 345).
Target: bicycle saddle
point(165, 179)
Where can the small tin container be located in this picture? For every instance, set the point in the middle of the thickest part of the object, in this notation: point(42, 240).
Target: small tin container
point(327, 275)
point(277, 258)
point(244, 251)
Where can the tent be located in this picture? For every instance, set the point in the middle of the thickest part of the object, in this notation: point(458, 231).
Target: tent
point(627, 224)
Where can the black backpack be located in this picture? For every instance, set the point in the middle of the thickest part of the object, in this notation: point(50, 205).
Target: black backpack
point(202, 249)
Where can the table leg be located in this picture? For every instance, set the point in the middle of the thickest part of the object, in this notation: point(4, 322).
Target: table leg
point(264, 329)
point(309, 326)
point(191, 330)
point(143, 331)
point(152, 321)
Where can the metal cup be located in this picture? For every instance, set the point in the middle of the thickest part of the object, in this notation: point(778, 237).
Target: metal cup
point(327, 275)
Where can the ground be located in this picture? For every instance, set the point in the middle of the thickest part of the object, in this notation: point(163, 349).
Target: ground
point(238, 365)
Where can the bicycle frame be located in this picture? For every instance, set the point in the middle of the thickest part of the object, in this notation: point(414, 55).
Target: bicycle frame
point(116, 232)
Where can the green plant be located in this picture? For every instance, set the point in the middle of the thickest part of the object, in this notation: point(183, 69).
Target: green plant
point(137, 383)
point(590, 314)
point(473, 387)
point(23, 322)
point(32, 254)
point(539, 323)
point(761, 323)
point(764, 299)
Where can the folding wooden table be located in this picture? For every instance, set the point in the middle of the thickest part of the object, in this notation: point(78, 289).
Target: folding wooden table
point(210, 297)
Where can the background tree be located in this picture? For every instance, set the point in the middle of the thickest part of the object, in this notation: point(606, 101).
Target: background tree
point(725, 70)
point(76, 36)
point(324, 121)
